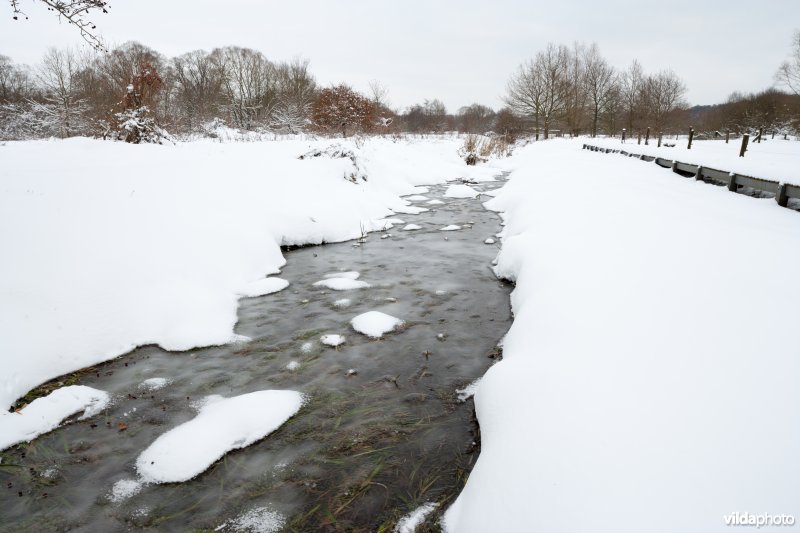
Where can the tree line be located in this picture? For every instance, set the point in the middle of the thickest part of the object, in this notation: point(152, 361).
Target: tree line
point(134, 93)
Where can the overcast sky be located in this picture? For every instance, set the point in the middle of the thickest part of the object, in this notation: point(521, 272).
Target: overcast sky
point(458, 51)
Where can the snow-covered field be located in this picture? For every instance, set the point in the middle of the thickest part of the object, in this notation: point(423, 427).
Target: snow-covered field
point(772, 159)
point(108, 246)
point(649, 381)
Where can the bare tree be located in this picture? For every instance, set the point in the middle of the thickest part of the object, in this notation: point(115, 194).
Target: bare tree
point(575, 93)
point(198, 86)
point(540, 87)
point(789, 72)
point(631, 86)
point(599, 82)
point(75, 12)
point(662, 95)
point(296, 91)
point(15, 82)
point(61, 103)
point(248, 84)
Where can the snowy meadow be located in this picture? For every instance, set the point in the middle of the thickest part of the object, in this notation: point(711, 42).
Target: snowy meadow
point(636, 360)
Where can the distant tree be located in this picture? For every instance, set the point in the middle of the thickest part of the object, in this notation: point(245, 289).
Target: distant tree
point(341, 109)
point(75, 12)
point(631, 90)
point(599, 84)
point(789, 72)
point(248, 85)
point(135, 123)
point(61, 106)
point(475, 118)
point(507, 123)
point(15, 82)
point(540, 87)
point(296, 91)
point(663, 95)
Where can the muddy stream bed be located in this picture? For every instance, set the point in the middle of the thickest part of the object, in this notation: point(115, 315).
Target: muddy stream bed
point(367, 448)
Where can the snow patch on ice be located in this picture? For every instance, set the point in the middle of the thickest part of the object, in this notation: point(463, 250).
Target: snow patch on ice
point(222, 425)
point(451, 227)
point(435, 202)
point(124, 489)
point(347, 275)
point(259, 520)
point(45, 414)
point(263, 286)
point(332, 340)
point(410, 209)
point(342, 284)
point(410, 522)
point(460, 191)
point(153, 384)
point(489, 241)
point(468, 391)
point(375, 324)
point(416, 198)
point(411, 227)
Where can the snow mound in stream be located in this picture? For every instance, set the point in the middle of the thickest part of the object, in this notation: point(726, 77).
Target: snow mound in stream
point(264, 286)
point(222, 425)
point(460, 191)
point(374, 323)
point(341, 284)
point(45, 414)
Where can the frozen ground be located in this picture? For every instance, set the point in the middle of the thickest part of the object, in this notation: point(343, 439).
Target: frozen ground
point(649, 381)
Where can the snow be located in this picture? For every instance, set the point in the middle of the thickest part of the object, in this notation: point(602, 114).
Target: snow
point(346, 275)
point(264, 286)
point(772, 159)
point(222, 425)
point(410, 522)
point(435, 202)
point(411, 227)
point(109, 246)
point(259, 520)
point(451, 227)
point(410, 209)
point(124, 489)
point(292, 366)
point(332, 340)
point(45, 414)
point(649, 379)
point(468, 391)
point(343, 302)
point(489, 241)
point(341, 284)
point(307, 347)
point(375, 324)
point(153, 384)
point(460, 191)
point(416, 198)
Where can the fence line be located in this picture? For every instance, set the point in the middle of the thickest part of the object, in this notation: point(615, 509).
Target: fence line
point(782, 191)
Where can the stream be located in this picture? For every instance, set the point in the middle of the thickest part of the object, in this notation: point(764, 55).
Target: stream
point(382, 432)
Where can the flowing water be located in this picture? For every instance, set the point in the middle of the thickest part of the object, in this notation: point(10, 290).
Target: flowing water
point(382, 430)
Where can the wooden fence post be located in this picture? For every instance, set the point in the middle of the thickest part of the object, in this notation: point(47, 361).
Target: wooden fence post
point(639, 137)
point(781, 197)
point(745, 140)
point(691, 136)
point(732, 182)
point(760, 133)
point(660, 134)
point(647, 137)
point(699, 175)
point(623, 135)
point(727, 136)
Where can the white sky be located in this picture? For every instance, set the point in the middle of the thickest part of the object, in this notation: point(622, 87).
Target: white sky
point(458, 51)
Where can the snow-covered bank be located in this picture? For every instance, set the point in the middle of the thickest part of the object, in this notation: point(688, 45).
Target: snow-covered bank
point(649, 381)
point(771, 159)
point(108, 246)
